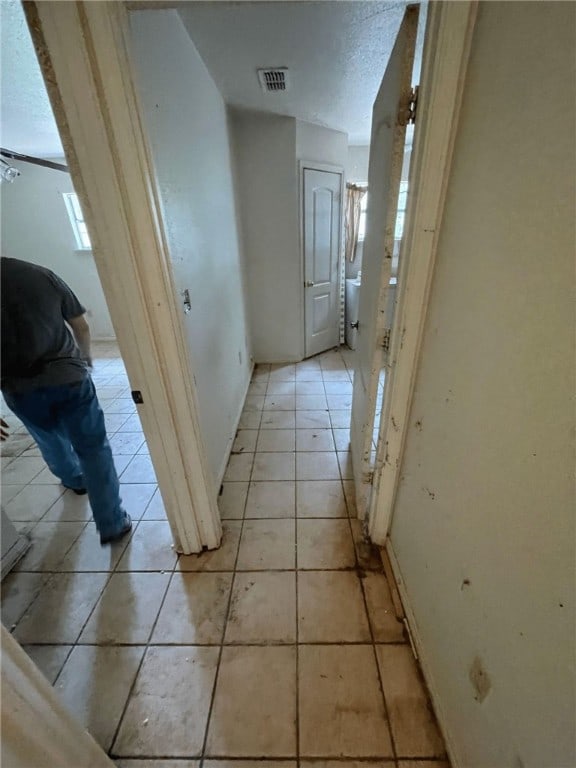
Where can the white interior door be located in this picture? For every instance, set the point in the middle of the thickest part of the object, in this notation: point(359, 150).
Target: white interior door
point(389, 119)
point(322, 215)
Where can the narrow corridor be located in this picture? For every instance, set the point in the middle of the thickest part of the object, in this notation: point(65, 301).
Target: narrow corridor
point(282, 645)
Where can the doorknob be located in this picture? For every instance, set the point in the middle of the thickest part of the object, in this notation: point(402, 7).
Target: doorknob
point(309, 284)
point(354, 325)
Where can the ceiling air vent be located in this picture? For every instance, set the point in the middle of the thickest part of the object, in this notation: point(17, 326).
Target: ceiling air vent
point(273, 80)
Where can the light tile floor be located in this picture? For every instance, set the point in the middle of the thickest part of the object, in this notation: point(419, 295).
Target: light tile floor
point(281, 647)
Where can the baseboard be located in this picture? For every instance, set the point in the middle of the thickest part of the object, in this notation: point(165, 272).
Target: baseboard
point(222, 471)
point(387, 554)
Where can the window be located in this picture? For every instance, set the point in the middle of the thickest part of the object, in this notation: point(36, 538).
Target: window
point(77, 220)
point(362, 224)
point(399, 229)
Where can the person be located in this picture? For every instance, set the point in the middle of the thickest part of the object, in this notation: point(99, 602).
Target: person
point(46, 382)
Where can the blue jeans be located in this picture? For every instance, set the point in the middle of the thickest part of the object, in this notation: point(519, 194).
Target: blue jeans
point(68, 425)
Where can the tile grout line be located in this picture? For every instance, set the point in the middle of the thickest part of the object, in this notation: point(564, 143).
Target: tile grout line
point(202, 756)
point(110, 750)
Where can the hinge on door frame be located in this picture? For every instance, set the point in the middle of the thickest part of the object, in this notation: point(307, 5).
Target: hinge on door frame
point(386, 340)
point(413, 104)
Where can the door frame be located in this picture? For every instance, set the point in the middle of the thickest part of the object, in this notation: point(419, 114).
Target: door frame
point(329, 168)
point(447, 45)
point(83, 50)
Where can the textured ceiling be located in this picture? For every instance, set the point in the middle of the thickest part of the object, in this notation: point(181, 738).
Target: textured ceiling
point(26, 120)
point(336, 53)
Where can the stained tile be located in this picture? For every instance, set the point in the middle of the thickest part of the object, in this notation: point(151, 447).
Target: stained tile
point(367, 553)
point(312, 420)
point(345, 463)
point(350, 495)
point(278, 420)
point(280, 403)
point(257, 388)
point(276, 440)
point(263, 608)
point(320, 498)
point(172, 696)
point(314, 440)
point(18, 592)
point(385, 625)
point(194, 611)
point(273, 466)
point(22, 470)
point(32, 502)
point(151, 548)
point(325, 544)
point(221, 559)
point(317, 465)
point(50, 543)
point(254, 709)
point(139, 470)
point(232, 500)
point(250, 420)
point(412, 721)
point(253, 403)
point(127, 610)
point(266, 545)
point(245, 441)
point(94, 684)
point(48, 658)
point(88, 555)
point(250, 763)
point(348, 764)
point(239, 467)
point(136, 763)
point(61, 610)
point(340, 703)
point(331, 608)
point(271, 499)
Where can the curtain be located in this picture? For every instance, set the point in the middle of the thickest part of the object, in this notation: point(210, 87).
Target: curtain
point(354, 196)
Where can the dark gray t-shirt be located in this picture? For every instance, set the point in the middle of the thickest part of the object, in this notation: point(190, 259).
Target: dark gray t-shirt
point(38, 349)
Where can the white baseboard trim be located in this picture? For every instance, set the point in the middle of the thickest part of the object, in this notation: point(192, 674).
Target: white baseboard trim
point(222, 470)
point(455, 762)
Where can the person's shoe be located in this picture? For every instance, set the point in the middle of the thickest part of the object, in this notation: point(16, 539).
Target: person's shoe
point(126, 528)
point(77, 491)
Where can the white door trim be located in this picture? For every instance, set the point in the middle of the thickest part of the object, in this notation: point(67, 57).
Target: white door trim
point(84, 56)
point(329, 168)
point(447, 46)
point(37, 729)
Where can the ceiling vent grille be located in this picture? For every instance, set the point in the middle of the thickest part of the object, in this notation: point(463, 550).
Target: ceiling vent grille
point(273, 80)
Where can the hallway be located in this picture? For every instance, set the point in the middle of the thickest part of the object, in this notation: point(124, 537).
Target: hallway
point(283, 644)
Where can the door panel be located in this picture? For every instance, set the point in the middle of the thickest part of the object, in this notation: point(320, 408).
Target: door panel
point(322, 204)
point(384, 174)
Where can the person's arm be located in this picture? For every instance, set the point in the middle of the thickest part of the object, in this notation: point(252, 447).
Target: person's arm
point(81, 331)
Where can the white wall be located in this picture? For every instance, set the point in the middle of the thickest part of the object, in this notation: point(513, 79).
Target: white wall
point(321, 145)
point(483, 527)
point(36, 228)
point(357, 163)
point(185, 118)
point(267, 174)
